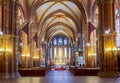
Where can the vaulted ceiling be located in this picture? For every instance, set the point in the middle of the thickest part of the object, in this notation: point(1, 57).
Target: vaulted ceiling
point(54, 17)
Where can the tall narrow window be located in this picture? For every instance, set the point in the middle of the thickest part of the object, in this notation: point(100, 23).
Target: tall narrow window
point(0, 17)
point(60, 41)
point(65, 41)
point(117, 28)
point(55, 41)
point(65, 50)
point(51, 52)
point(55, 52)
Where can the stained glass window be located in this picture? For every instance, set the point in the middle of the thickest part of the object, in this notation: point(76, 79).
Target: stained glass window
point(0, 17)
point(55, 41)
point(117, 28)
point(60, 40)
point(55, 52)
point(65, 41)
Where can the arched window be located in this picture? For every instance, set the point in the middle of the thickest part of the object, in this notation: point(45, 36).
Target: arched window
point(65, 41)
point(0, 17)
point(117, 28)
point(51, 42)
point(55, 41)
point(60, 41)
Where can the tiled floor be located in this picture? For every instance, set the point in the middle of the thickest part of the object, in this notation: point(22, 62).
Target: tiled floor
point(62, 77)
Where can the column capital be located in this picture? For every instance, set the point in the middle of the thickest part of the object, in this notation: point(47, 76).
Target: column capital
point(8, 2)
point(109, 34)
point(100, 2)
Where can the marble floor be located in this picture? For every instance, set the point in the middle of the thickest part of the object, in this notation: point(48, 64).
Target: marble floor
point(62, 77)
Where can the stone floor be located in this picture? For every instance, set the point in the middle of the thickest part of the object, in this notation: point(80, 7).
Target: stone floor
point(62, 77)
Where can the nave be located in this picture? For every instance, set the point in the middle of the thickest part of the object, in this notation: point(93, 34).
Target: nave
point(37, 35)
point(62, 77)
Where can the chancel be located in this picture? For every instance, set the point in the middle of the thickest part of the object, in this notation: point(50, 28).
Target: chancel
point(59, 40)
point(60, 50)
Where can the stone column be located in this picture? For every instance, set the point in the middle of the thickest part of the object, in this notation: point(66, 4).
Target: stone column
point(5, 55)
point(50, 56)
point(5, 30)
point(39, 52)
point(13, 17)
point(107, 38)
point(53, 55)
point(72, 56)
point(31, 43)
point(9, 18)
point(63, 54)
point(67, 54)
point(85, 40)
point(31, 54)
point(90, 57)
point(51, 52)
point(87, 48)
point(49, 59)
point(46, 54)
point(118, 54)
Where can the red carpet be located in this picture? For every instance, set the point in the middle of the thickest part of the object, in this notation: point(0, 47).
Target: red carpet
point(60, 68)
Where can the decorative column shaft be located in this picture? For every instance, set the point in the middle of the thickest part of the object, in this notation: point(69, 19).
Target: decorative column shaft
point(31, 42)
point(71, 54)
point(49, 58)
point(9, 29)
point(107, 38)
point(67, 54)
point(53, 60)
point(46, 54)
point(39, 46)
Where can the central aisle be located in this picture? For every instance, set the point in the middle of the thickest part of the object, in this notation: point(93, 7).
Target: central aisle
point(59, 73)
point(62, 76)
point(59, 76)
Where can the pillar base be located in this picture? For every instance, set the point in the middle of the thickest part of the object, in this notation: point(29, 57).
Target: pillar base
point(4, 75)
point(17, 75)
point(12, 75)
point(119, 74)
point(108, 74)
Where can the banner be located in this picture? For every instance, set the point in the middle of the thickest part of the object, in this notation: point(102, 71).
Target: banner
point(26, 30)
point(91, 28)
point(35, 38)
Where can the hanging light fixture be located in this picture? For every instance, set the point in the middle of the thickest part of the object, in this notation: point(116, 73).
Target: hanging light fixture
point(87, 44)
point(107, 31)
point(1, 33)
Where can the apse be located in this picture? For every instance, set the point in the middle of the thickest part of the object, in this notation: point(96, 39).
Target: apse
point(60, 50)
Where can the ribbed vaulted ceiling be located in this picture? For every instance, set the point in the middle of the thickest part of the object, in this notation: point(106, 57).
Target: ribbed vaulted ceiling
point(58, 16)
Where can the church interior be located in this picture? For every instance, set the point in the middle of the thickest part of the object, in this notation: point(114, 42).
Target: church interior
point(51, 41)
